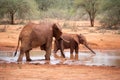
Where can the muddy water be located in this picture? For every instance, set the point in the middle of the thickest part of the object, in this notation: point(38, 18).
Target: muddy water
point(102, 58)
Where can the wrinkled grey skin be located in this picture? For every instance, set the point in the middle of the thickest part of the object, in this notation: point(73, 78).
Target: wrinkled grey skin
point(73, 41)
point(37, 35)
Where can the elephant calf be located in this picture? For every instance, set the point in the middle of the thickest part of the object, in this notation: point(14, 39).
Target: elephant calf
point(73, 44)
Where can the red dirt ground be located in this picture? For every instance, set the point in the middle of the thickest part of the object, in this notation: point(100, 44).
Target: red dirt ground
point(57, 72)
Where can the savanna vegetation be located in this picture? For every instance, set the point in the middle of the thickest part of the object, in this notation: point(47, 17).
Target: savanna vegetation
point(107, 12)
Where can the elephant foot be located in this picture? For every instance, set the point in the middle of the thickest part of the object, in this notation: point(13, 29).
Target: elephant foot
point(19, 60)
point(56, 56)
point(71, 56)
point(61, 57)
point(76, 56)
point(47, 62)
point(47, 58)
point(29, 59)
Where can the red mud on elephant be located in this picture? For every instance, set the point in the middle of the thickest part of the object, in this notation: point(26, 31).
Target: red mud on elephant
point(38, 35)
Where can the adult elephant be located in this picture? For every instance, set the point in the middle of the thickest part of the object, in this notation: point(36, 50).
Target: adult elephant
point(73, 44)
point(34, 35)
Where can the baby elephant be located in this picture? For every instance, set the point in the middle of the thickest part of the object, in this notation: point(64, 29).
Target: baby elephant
point(72, 42)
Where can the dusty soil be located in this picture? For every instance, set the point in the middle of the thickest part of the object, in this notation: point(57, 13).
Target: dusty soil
point(98, 39)
point(57, 72)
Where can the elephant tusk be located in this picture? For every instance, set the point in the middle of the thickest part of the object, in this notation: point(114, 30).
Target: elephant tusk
point(64, 39)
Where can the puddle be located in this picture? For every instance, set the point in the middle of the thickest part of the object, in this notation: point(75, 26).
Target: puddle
point(102, 58)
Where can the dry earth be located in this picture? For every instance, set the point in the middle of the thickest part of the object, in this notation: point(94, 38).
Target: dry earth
point(57, 72)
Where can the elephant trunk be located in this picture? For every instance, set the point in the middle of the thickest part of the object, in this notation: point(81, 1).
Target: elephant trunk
point(90, 49)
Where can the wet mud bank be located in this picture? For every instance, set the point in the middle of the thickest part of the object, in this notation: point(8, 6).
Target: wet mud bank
point(102, 58)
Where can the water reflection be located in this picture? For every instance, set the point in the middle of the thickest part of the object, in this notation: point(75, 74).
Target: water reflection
point(102, 58)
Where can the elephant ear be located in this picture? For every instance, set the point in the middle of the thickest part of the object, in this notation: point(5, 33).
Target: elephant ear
point(75, 37)
point(57, 31)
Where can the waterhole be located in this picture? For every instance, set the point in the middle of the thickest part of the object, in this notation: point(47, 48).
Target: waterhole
point(102, 58)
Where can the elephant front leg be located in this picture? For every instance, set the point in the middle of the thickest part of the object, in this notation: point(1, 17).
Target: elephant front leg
point(55, 53)
point(71, 54)
point(76, 56)
point(76, 53)
point(62, 48)
point(48, 53)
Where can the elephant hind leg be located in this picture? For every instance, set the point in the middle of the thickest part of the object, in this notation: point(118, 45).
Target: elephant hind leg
point(28, 55)
point(23, 50)
point(21, 55)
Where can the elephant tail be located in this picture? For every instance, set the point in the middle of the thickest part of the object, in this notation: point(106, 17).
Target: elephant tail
point(17, 47)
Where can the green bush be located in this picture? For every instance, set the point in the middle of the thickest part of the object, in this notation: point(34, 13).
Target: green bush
point(111, 16)
point(111, 21)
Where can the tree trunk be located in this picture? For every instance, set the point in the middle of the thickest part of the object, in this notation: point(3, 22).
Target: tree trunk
point(12, 18)
point(91, 20)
